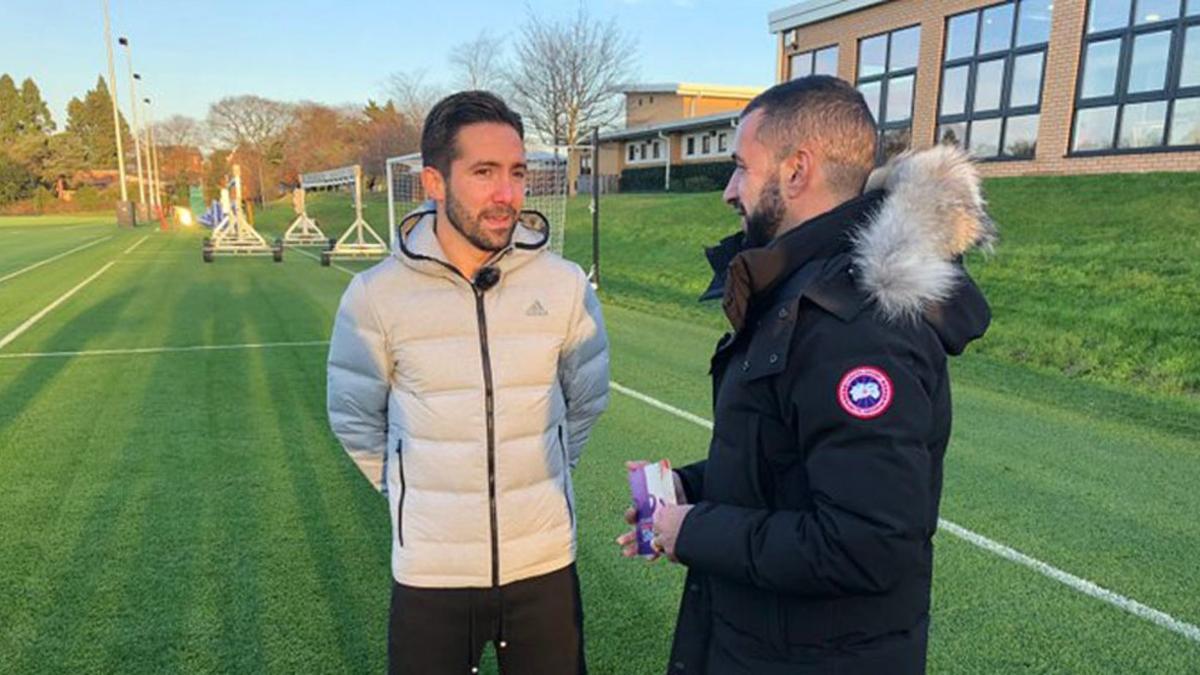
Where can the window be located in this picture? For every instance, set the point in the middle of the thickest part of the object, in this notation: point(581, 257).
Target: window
point(647, 151)
point(815, 62)
point(655, 152)
point(991, 91)
point(711, 143)
point(1139, 82)
point(887, 79)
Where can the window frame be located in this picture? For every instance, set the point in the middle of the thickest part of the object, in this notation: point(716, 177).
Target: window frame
point(1171, 92)
point(884, 80)
point(1006, 110)
point(812, 54)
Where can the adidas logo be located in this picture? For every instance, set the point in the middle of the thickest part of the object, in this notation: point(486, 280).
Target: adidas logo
point(536, 309)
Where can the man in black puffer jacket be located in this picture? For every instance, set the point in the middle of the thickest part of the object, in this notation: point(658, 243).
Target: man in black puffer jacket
point(807, 532)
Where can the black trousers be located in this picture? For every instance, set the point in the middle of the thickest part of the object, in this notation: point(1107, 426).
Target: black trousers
point(536, 625)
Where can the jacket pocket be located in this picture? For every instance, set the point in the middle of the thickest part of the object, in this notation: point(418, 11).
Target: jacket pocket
point(566, 482)
point(403, 491)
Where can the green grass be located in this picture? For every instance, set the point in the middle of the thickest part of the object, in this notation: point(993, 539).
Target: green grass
point(1095, 277)
point(191, 512)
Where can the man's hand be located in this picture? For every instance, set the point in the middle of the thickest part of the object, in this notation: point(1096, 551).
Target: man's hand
point(628, 541)
point(667, 521)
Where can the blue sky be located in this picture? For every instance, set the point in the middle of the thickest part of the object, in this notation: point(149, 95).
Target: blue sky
point(341, 51)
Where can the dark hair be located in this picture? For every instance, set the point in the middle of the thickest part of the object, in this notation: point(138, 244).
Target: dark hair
point(439, 137)
point(825, 112)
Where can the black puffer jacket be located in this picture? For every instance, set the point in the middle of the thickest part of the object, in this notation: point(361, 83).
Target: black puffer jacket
point(814, 512)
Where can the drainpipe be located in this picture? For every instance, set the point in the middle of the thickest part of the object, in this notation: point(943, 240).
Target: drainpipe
point(667, 179)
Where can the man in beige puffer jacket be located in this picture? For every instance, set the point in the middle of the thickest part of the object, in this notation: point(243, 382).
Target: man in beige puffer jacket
point(476, 362)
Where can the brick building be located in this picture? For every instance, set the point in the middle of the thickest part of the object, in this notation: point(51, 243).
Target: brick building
point(1028, 86)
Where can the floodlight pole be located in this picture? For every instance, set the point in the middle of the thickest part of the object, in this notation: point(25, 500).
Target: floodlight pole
point(112, 90)
point(133, 106)
point(596, 206)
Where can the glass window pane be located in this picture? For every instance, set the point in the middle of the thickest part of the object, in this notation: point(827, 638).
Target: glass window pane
point(989, 82)
point(826, 62)
point(1190, 75)
point(1107, 15)
point(985, 138)
point(706, 144)
point(960, 35)
point(1142, 125)
point(1148, 72)
point(997, 29)
point(1185, 122)
point(1094, 128)
point(870, 92)
point(1149, 11)
point(905, 45)
point(1033, 22)
point(953, 134)
point(900, 98)
point(1020, 136)
point(1193, 7)
point(1100, 68)
point(895, 141)
point(954, 90)
point(802, 64)
point(1027, 80)
point(872, 56)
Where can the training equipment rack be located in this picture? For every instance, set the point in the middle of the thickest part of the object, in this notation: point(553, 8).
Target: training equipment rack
point(234, 235)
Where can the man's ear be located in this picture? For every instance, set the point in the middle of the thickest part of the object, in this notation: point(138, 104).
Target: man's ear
point(433, 183)
point(796, 172)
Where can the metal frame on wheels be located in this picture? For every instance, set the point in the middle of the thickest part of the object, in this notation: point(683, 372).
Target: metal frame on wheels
point(359, 240)
point(303, 231)
point(234, 235)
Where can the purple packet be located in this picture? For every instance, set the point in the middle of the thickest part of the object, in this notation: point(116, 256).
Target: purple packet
point(651, 485)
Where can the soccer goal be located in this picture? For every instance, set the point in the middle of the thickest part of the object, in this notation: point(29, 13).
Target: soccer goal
point(233, 234)
point(359, 240)
point(545, 191)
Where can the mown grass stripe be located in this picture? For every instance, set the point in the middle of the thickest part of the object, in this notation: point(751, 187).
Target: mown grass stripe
point(53, 258)
point(16, 332)
point(1088, 588)
point(165, 350)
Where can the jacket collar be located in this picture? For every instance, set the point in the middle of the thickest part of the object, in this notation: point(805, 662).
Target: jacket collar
point(752, 273)
point(419, 248)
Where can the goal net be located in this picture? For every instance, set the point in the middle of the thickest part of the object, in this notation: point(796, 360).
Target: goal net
point(545, 191)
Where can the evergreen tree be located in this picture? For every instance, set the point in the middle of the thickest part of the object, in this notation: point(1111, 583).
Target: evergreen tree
point(11, 110)
point(36, 114)
point(90, 120)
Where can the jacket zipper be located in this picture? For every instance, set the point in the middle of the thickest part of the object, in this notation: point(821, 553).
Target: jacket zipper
point(403, 491)
point(489, 402)
point(566, 476)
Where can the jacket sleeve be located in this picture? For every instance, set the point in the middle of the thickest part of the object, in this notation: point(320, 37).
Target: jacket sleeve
point(583, 369)
point(358, 381)
point(869, 479)
point(692, 477)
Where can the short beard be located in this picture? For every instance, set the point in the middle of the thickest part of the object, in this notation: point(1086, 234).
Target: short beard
point(764, 221)
point(470, 228)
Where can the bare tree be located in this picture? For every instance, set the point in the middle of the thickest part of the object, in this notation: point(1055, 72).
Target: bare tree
point(253, 123)
point(477, 64)
point(412, 95)
point(566, 75)
point(180, 130)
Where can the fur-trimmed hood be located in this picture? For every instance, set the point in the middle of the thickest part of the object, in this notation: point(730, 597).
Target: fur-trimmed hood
point(933, 213)
point(896, 249)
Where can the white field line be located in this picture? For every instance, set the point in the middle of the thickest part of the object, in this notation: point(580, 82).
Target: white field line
point(16, 333)
point(165, 350)
point(301, 251)
point(1157, 617)
point(53, 258)
point(136, 244)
